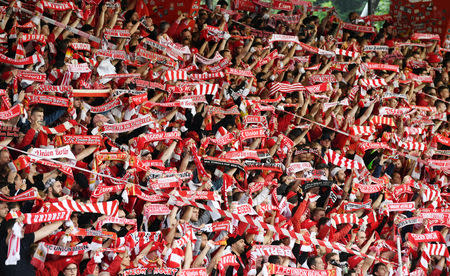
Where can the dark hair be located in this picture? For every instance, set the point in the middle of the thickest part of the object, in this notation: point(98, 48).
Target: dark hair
point(311, 261)
point(322, 221)
point(442, 87)
point(377, 266)
point(3, 184)
point(273, 259)
point(37, 109)
point(329, 256)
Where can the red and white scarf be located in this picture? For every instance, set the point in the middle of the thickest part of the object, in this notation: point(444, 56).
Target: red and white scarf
point(82, 139)
point(344, 218)
point(372, 48)
point(107, 106)
point(46, 5)
point(424, 36)
point(285, 87)
point(274, 269)
point(48, 100)
point(206, 89)
point(62, 152)
point(346, 53)
point(372, 83)
point(383, 66)
point(109, 208)
point(13, 254)
point(31, 218)
point(11, 113)
point(322, 78)
point(114, 54)
point(29, 194)
point(60, 129)
point(358, 28)
point(362, 130)
point(129, 125)
point(338, 160)
point(121, 33)
point(207, 76)
point(174, 75)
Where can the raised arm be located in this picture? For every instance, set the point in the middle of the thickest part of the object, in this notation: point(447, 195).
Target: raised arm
point(46, 230)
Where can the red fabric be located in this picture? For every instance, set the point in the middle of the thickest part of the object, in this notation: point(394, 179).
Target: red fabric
point(114, 266)
point(284, 122)
point(176, 28)
point(298, 214)
point(54, 267)
point(27, 139)
point(338, 236)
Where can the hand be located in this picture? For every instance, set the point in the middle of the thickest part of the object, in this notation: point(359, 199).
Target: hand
point(20, 219)
point(372, 238)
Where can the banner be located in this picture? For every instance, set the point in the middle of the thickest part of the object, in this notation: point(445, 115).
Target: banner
point(62, 152)
point(274, 269)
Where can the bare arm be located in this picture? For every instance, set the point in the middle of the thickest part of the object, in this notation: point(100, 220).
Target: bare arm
point(65, 34)
point(168, 152)
point(366, 114)
point(101, 21)
point(113, 21)
point(187, 255)
point(86, 152)
point(57, 31)
point(46, 230)
point(201, 256)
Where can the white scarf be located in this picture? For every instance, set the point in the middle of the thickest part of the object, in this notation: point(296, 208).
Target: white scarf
point(14, 245)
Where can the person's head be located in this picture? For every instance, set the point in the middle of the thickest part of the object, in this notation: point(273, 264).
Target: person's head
point(360, 238)
point(318, 213)
point(71, 269)
point(380, 269)
point(37, 115)
point(237, 244)
point(353, 16)
point(77, 149)
point(18, 182)
point(440, 106)
point(55, 190)
point(396, 178)
point(316, 263)
point(223, 4)
point(226, 54)
point(4, 189)
point(4, 157)
point(274, 260)
point(164, 27)
point(195, 212)
point(338, 174)
point(3, 209)
point(443, 92)
point(186, 34)
point(45, 30)
point(325, 141)
point(331, 258)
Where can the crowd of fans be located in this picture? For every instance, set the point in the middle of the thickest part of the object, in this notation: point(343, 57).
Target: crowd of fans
point(228, 143)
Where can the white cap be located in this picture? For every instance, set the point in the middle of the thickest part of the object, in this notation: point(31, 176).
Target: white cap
point(335, 171)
